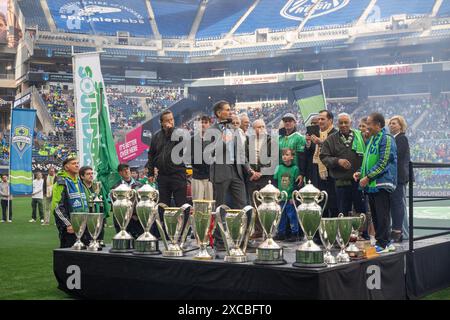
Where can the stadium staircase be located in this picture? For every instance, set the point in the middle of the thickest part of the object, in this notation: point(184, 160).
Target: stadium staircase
point(48, 16)
point(436, 8)
point(42, 113)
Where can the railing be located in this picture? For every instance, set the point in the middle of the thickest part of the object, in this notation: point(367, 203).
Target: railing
point(445, 231)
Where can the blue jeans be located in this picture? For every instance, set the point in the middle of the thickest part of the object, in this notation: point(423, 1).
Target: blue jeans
point(349, 197)
point(289, 216)
point(398, 206)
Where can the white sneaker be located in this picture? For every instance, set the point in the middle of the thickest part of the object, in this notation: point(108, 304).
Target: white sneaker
point(9, 220)
point(391, 247)
point(2, 221)
point(42, 220)
point(32, 220)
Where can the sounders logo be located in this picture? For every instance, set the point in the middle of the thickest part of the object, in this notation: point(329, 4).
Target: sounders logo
point(89, 100)
point(299, 9)
point(21, 139)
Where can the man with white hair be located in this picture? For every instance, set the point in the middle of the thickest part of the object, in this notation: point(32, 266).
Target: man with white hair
point(342, 154)
point(245, 122)
point(256, 147)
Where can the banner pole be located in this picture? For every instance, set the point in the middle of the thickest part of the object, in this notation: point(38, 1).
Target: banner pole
point(9, 167)
point(323, 91)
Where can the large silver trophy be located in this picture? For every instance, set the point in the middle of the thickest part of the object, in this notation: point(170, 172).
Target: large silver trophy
point(94, 226)
point(203, 224)
point(147, 211)
point(122, 212)
point(177, 226)
point(78, 221)
point(328, 231)
point(235, 227)
point(309, 214)
point(352, 250)
point(269, 214)
point(345, 226)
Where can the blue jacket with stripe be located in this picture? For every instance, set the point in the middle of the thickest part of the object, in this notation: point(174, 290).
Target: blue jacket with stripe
point(384, 172)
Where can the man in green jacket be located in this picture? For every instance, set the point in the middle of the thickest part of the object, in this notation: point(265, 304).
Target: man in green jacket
point(69, 195)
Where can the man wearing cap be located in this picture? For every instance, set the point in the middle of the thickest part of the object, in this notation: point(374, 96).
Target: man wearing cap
point(291, 139)
point(69, 195)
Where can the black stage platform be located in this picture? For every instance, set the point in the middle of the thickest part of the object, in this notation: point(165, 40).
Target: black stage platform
point(398, 275)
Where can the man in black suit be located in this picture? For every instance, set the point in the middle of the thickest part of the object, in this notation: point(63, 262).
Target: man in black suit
point(228, 164)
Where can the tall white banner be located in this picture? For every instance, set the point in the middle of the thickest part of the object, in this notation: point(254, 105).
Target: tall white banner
point(89, 88)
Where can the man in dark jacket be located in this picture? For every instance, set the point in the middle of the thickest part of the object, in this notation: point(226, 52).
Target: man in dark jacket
point(171, 179)
point(342, 154)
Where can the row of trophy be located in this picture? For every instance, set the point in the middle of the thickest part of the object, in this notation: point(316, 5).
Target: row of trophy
point(235, 226)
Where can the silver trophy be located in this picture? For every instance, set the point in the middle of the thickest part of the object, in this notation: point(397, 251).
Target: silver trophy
point(309, 214)
point(147, 211)
point(94, 226)
point(344, 232)
point(235, 227)
point(203, 224)
point(177, 226)
point(78, 221)
point(122, 212)
point(269, 215)
point(328, 231)
point(352, 250)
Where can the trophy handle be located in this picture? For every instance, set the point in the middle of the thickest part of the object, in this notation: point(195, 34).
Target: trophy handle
point(187, 225)
point(131, 194)
point(256, 196)
point(323, 195)
point(218, 221)
point(286, 200)
point(295, 197)
point(157, 196)
point(250, 226)
point(161, 232)
point(160, 226)
point(363, 217)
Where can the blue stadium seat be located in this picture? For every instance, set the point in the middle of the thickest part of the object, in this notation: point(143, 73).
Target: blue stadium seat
point(33, 13)
point(412, 8)
point(444, 10)
point(340, 17)
point(220, 16)
point(175, 17)
point(267, 15)
point(130, 52)
point(263, 48)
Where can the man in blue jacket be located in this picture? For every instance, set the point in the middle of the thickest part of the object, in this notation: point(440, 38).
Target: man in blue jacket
point(378, 178)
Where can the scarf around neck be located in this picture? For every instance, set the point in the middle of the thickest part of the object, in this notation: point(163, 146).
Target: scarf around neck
point(323, 172)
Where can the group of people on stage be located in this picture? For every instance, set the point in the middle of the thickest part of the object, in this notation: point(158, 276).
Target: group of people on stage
point(363, 170)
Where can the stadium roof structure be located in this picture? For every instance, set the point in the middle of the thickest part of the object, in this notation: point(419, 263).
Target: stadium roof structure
point(203, 29)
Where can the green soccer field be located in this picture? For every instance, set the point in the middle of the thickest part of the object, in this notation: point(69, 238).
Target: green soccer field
point(26, 267)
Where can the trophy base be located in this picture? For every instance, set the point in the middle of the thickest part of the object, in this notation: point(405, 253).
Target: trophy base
point(122, 246)
point(203, 254)
point(328, 258)
point(309, 259)
point(268, 256)
point(146, 247)
point(78, 246)
point(343, 257)
point(172, 253)
point(235, 259)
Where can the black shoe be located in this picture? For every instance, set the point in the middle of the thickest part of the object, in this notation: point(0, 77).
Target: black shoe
point(279, 237)
point(397, 237)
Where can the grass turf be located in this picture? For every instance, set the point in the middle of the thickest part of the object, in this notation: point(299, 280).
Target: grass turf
point(26, 258)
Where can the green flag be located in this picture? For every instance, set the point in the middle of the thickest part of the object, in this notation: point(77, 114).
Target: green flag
point(310, 99)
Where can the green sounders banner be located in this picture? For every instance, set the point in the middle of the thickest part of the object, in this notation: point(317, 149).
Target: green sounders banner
point(95, 141)
point(310, 99)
